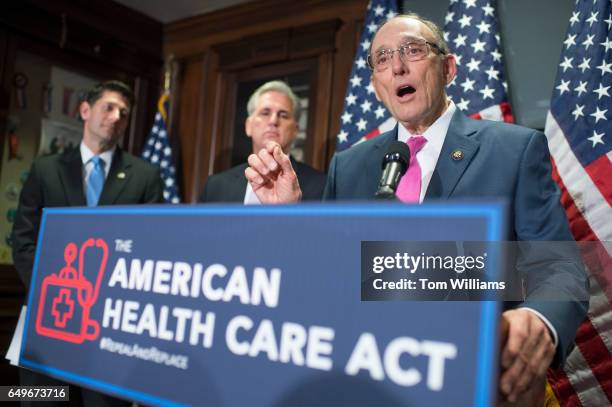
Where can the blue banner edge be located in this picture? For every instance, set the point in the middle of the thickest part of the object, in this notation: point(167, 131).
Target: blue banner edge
point(492, 212)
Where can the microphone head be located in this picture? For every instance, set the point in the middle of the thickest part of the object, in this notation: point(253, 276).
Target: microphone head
point(397, 152)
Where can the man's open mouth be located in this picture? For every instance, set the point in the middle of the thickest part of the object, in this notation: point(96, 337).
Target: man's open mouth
point(405, 90)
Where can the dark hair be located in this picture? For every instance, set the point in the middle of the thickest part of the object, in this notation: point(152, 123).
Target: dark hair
point(110, 86)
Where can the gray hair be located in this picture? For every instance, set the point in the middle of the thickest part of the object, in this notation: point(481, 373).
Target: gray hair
point(275, 86)
point(437, 32)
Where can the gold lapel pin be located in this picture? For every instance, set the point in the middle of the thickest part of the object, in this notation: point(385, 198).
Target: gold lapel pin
point(457, 155)
point(121, 175)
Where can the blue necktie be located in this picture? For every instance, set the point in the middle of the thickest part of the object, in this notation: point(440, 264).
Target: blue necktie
point(95, 182)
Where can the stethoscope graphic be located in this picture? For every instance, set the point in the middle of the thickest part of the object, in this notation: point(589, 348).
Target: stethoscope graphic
point(62, 307)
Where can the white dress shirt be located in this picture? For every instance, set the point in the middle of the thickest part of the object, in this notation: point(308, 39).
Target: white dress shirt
point(250, 198)
point(428, 155)
point(87, 155)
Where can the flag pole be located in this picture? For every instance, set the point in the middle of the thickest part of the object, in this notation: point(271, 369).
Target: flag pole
point(168, 72)
point(158, 149)
point(165, 94)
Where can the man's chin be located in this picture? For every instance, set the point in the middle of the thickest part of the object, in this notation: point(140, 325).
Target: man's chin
point(109, 142)
point(407, 116)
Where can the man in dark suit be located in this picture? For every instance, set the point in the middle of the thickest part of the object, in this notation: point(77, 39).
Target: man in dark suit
point(97, 172)
point(456, 157)
point(274, 113)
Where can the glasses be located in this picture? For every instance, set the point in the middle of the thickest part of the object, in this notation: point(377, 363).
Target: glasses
point(409, 52)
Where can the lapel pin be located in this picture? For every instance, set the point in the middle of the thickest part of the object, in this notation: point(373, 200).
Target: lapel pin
point(121, 175)
point(457, 155)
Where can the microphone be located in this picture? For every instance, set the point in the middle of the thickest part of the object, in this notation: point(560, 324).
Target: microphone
point(394, 164)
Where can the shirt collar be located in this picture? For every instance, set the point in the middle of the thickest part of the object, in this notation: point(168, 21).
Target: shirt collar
point(437, 131)
point(87, 154)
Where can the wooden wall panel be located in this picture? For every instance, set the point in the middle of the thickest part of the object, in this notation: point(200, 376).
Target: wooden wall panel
point(347, 39)
point(7, 53)
point(323, 103)
point(196, 34)
point(189, 116)
point(197, 121)
point(95, 29)
point(245, 38)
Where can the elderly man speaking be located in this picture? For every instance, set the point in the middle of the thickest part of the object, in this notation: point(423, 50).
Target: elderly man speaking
point(457, 157)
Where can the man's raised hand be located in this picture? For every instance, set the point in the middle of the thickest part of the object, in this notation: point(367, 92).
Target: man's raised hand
point(272, 177)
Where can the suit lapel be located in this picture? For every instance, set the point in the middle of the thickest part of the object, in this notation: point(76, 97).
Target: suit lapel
point(296, 167)
point(118, 177)
point(71, 176)
point(237, 188)
point(451, 164)
point(373, 164)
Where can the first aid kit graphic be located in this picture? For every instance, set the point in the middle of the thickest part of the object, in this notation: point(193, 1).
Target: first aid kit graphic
point(66, 298)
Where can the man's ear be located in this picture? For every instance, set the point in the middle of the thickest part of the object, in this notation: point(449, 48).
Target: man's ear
point(248, 127)
point(375, 86)
point(296, 130)
point(450, 68)
point(84, 110)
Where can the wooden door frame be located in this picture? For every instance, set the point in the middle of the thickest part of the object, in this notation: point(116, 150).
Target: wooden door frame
point(230, 82)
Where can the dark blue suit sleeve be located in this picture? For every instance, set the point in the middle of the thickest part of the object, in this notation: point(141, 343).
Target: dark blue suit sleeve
point(27, 222)
point(329, 193)
point(549, 259)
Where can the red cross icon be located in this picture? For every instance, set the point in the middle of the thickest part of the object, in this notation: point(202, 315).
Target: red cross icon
point(63, 308)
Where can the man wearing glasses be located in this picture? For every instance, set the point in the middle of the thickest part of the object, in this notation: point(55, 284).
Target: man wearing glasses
point(457, 158)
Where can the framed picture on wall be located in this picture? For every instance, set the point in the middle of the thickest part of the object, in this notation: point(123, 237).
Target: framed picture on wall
point(55, 137)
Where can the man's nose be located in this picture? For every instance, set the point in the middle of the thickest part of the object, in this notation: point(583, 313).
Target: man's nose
point(274, 118)
point(115, 115)
point(397, 64)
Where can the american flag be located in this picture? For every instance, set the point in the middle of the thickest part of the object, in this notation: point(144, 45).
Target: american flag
point(158, 152)
point(479, 89)
point(579, 136)
point(363, 116)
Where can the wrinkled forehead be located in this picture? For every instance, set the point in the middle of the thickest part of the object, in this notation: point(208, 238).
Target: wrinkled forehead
point(400, 30)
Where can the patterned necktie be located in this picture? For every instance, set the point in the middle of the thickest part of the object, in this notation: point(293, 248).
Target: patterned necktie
point(95, 181)
point(409, 188)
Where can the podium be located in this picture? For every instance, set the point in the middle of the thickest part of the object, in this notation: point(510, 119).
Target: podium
point(253, 305)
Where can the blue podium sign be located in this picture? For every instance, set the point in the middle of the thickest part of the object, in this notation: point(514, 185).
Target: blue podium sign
point(261, 306)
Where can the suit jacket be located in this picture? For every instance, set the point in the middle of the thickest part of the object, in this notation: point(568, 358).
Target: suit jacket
point(500, 161)
point(57, 180)
point(230, 185)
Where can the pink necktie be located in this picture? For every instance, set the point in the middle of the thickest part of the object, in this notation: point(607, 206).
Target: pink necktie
point(409, 188)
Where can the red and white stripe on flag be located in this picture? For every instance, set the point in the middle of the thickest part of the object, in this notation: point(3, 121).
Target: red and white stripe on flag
point(579, 133)
point(479, 88)
point(363, 116)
